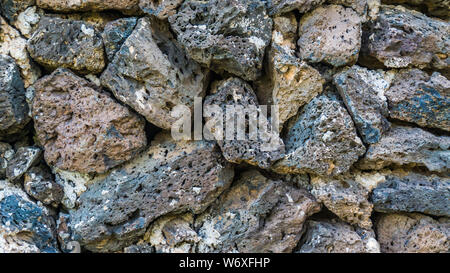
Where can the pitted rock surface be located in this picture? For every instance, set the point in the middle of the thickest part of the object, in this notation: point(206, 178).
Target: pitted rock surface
point(152, 74)
point(437, 8)
point(13, 107)
point(39, 184)
point(81, 127)
point(243, 144)
point(126, 6)
point(115, 34)
point(330, 34)
point(416, 97)
point(23, 159)
point(170, 177)
point(363, 93)
point(405, 38)
point(256, 215)
point(408, 146)
point(321, 140)
point(276, 7)
point(225, 35)
point(161, 8)
point(82, 51)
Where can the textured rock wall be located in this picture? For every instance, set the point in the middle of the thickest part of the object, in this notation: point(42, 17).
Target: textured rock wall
point(360, 161)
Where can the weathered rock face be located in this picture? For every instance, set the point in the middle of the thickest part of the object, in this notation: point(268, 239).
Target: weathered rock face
point(24, 226)
point(233, 224)
point(243, 145)
point(419, 98)
point(13, 107)
point(39, 184)
point(408, 146)
point(6, 154)
point(321, 139)
point(413, 192)
point(82, 128)
point(161, 9)
point(407, 233)
point(363, 93)
point(283, 6)
point(225, 35)
point(170, 177)
point(404, 38)
point(360, 6)
point(290, 83)
point(115, 34)
point(330, 34)
point(152, 74)
point(23, 159)
point(333, 236)
point(82, 51)
point(126, 6)
point(12, 44)
point(438, 8)
point(345, 197)
point(12, 8)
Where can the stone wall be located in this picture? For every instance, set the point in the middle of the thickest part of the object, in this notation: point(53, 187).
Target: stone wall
point(359, 163)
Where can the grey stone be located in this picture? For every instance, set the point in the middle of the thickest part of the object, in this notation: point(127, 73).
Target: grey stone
point(416, 97)
point(438, 8)
point(321, 139)
point(225, 35)
point(334, 236)
point(6, 154)
point(13, 106)
point(413, 192)
point(170, 177)
point(24, 158)
point(69, 44)
point(152, 74)
point(24, 225)
point(408, 146)
point(330, 34)
point(404, 38)
point(276, 7)
point(40, 185)
point(344, 196)
point(362, 91)
point(245, 146)
point(256, 215)
point(115, 34)
point(12, 8)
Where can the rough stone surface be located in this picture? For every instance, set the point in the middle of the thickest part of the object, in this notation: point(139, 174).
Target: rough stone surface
point(12, 8)
point(256, 215)
point(115, 34)
point(363, 93)
point(15, 46)
point(13, 106)
point(321, 139)
point(345, 197)
point(82, 128)
point(161, 8)
point(169, 177)
point(413, 192)
point(405, 38)
point(152, 74)
point(127, 6)
point(408, 146)
point(419, 98)
point(39, 184)
point(330, 34)
point(438, 8)
point(334, 236)
point(82, 51)
point(225, 35)
point(250, 148)
point(25, 227)
point(282, 6)
point(290, 83)
point(413, 233)
point(28, 20)
point(23, 159)
point(6, 154)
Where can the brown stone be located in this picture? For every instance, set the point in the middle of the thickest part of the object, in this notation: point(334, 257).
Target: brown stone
point(82, 128)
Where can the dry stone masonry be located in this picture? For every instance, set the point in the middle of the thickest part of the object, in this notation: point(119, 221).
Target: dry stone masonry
point(343, 144)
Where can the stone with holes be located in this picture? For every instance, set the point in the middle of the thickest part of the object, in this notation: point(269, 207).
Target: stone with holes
point(115, 33)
